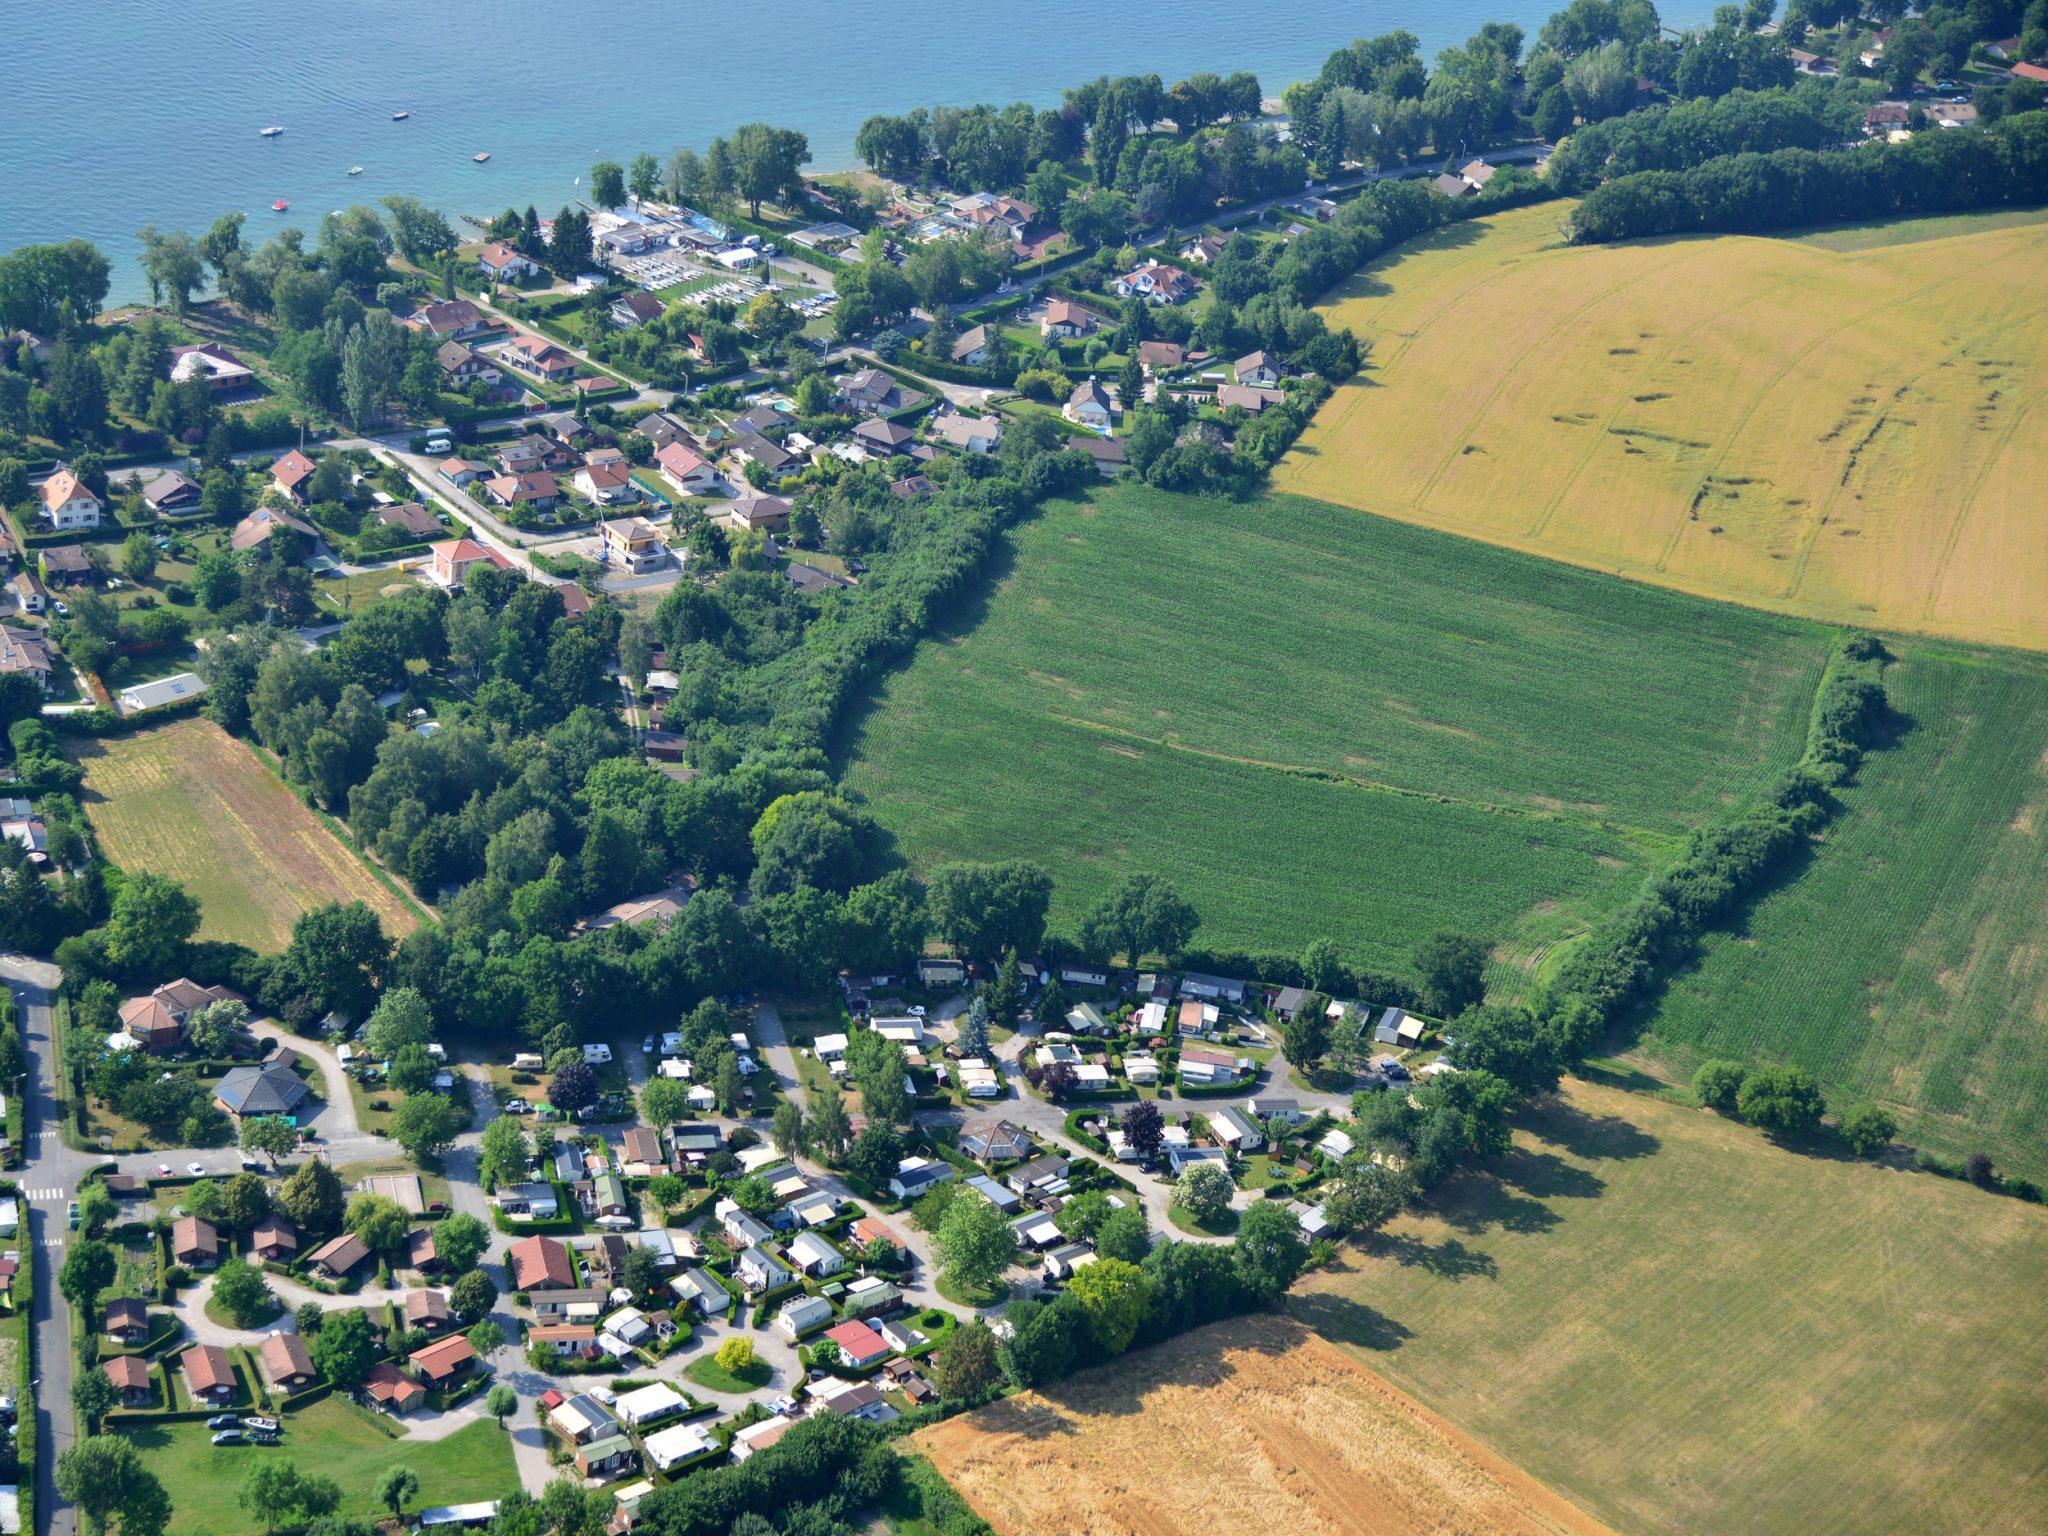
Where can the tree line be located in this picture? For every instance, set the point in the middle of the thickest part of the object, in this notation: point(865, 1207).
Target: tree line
point(2004, 164)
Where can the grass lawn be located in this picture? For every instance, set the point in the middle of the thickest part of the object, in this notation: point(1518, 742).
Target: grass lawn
point(1725, 415)
point(334, 1439)
point(707, 1373)
point(189, 801)
point(1304, 718)
point(341, 595)
point(374, 1121)
point(1685, 1328)
point(1258, 1172)
point(992, 1294)
point(218, 1315)
point(1908, 962)
point(1222, 1226)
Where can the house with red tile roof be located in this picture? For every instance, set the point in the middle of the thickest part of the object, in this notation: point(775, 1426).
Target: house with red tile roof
point(290, 474)
point(450, 561)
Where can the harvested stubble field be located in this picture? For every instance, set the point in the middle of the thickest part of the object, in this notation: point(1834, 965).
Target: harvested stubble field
point(188, 801)
point(1242, 1429)
point(1682, 1327)
point(1317, 724)
point(1908, 961)
point(1849, 434)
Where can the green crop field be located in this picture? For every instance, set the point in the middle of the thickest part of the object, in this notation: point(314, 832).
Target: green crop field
point(1909, 962)
point(1316, 723)
point(1681, 1327)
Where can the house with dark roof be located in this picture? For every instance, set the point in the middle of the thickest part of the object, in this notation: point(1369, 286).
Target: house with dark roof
point(885, 438)
point(761, 514)
point(1090, 406)
point(65, 565)
point(636, 308)
point(1107, 452)
point(752, 448)
point(1258, 369)
point(868, 390)
point(168, 493)
point(339, 1257)
point(809, 578)
point(995, 1141)
point(410, 517)
point(462, 366)
point(26, 651)
point(974, 346)
point(269, 1089)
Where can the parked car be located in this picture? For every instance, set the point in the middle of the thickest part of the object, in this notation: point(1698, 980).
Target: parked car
point(647, 1045)
point(163, 1170)
point(197, 1170)
point(229, 1437)
point(224, 1421)
point(73, 1216)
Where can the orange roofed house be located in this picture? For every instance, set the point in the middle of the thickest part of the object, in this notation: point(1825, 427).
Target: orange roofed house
point(450, 561)
point(444, 1361)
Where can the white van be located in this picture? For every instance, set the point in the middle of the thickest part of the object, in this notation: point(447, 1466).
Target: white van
point(440, 445)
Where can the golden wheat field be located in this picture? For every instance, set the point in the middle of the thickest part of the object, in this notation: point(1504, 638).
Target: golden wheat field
point(188, 801)
point(1241, 1429)
point(1855, 435)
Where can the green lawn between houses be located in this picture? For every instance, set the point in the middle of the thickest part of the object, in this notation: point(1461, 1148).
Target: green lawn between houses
point(333, 1439)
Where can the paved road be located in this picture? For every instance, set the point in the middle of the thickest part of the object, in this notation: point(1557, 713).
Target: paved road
point(47, 1176)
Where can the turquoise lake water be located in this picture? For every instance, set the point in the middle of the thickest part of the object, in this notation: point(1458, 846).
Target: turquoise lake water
point(121, 113)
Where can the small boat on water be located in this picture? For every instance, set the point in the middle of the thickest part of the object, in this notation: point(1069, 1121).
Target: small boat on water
point(481, 156)
point(355, 170)
point(280, 206)
point(271, 132)
point(399, 117)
